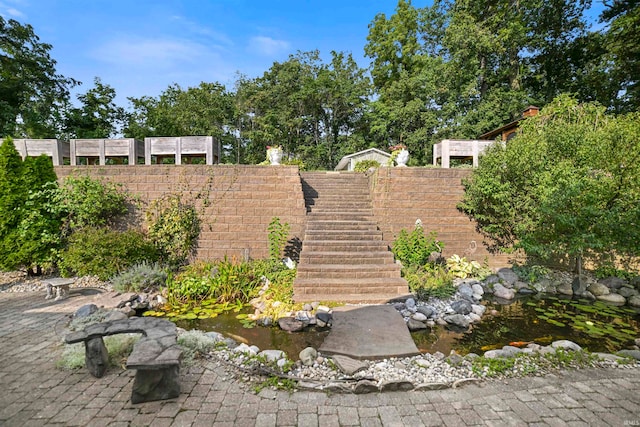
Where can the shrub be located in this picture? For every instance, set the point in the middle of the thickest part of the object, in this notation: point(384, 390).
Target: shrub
point(87, 202)
point(365, 165)
point(119, 347)
point(414, 249)
point(222, 281)
point(174, 228)
point(141, 277)
point(278, 235)
point(429, 281)
point(195, 344)
point(461, 268)
point(104, 253)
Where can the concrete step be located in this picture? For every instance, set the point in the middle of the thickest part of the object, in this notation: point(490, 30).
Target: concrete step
point(346, 257)
point(350, 271)
point(359, 235)
point(341, 225)
point(381, 298)
point(344, 246)
point(334, 205)
point(318, 212)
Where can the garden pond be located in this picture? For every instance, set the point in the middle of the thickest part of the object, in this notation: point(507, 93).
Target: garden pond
point(596, 326)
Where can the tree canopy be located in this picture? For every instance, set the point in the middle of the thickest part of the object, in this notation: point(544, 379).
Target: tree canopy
point(569, 183)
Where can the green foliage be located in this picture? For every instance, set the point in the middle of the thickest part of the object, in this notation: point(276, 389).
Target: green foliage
point(276, 383)
point(104, 252)
point(567, 185)
point(429, 281)
point(88, 202)
point(278, 235)
point(531, 273)
point(142, 277)
point(220, 281)
point(195, 344)
point(461, 268)
point(119, 347)
point(609, 270)
point(29, 231)
point(413, 249)
point(32, 93)
point(365, 165)
point(174, 228)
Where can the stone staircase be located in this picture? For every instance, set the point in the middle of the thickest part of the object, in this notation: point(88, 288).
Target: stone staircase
point(344, 257)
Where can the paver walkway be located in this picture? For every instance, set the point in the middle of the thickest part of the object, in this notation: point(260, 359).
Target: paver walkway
point(35, 393)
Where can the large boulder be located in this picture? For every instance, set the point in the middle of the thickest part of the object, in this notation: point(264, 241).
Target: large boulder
point(613, 282)
point(634, 301)
point(508, 277)
point(461, 307)
point(627, 291)
point(613, 298)
point(501, 291)
point(598, 289)
point(85, 311)
point(426, 310)
point(457, 320)
point(416, 325)
point(290, 324)
point(308, 356)
point(566, 345)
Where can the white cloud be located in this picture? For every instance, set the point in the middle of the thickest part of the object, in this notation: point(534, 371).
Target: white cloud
point(136, 51)
point(202, 30)
point(8, 10)
point(267, 46)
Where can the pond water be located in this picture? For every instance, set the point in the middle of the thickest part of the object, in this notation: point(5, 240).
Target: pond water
point(597, 327)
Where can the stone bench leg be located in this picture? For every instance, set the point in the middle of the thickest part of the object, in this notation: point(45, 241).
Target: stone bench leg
point(96, 357)
point(156, 384)
point(62, 292)
point(49, 292)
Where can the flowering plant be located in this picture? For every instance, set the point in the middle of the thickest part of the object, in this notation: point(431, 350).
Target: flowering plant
point(397, 147)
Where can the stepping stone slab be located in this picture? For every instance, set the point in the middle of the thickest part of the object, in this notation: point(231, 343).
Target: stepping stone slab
point(348, 365)
point(369, 332)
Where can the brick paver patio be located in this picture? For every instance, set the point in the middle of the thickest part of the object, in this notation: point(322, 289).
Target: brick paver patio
point(36, 393)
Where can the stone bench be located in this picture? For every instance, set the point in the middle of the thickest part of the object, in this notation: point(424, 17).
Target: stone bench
point(61, 287)
point(156, 356)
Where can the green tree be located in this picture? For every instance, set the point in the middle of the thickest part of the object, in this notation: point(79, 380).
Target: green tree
point(98, 116)
point(568, 185)
point(32, 93)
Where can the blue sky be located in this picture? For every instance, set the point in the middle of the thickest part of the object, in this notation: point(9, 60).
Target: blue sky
point(140, 47)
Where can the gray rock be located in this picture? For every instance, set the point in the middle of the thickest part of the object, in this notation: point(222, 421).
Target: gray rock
point(490, 280)
point(465, 290)
point(419, 317)
point(634, 301)
point(410, 303)
point(422, 363)
point(520, 285)
point(290, 324)
point(399, 306)
point(85, 311)
point(440, 321)
point(477, 289)
point(474, 318)
point(608, 356)
point(508, 276)
point(415, 325)
point(510, 351)
point(432, 386)
point(303, 316)
point(565, 289)
point(457, 320)
point(323, 308)
point(613, 299)
point(438, 355)
point(454, 358)
point(324, 319)
point(598, 289)
point(156, 384)
point(493, 354)
point(348, 365)
point(461, 307)
point(478, 309)
point(308, 356)
point(273, 355)
point(245, 349)
point(307, 307)
point(96, 357)
point(588, 295)
point(396, 385)
point(114, 315)
point(526, 291)
point(365, 386)
point(503, 292)
point(627, 291)
point(613, 282)
point(630, 353)
point(426, 310)
point(566, 344)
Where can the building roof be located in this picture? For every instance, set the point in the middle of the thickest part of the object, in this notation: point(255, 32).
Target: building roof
point(344, 162)
point(530, 111)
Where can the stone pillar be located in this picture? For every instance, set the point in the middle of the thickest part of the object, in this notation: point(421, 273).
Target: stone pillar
point(96, 357)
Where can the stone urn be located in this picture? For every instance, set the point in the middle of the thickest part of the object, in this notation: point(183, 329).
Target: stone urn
point(402, 158)
point(274, 155)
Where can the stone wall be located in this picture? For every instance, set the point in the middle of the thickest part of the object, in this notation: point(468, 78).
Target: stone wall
point(402, 195)
point(236, 203)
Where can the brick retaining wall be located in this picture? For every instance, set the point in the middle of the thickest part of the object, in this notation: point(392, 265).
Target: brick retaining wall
point(402, 195)
point(235, 203)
